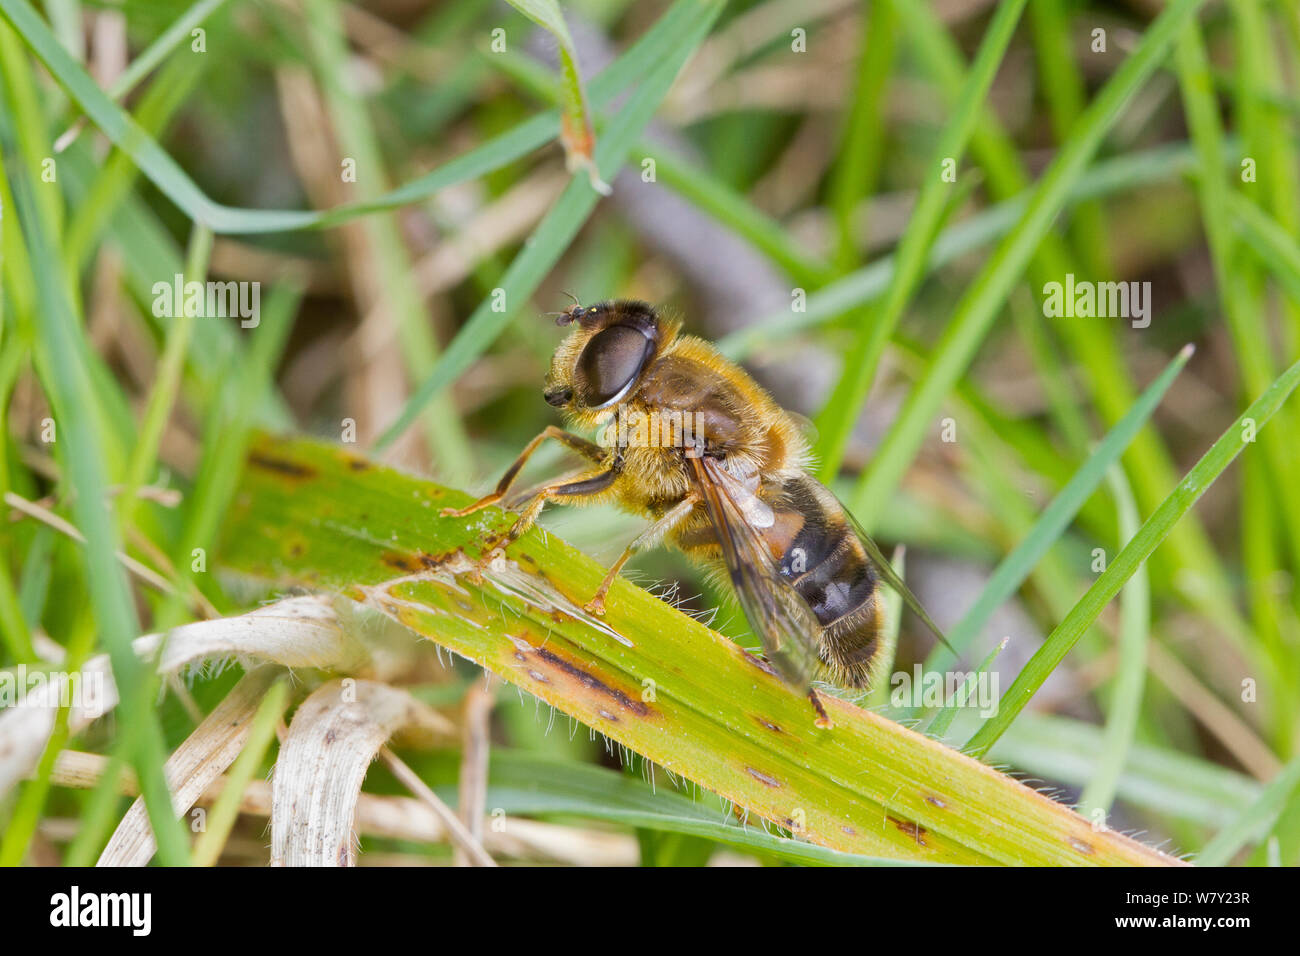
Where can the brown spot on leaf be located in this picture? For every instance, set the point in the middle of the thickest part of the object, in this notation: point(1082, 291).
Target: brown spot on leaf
point(1082, 846)
point(766, 780)
point(289, 469)
point(934, 801)
point(583, 676)
point(768, 725)
point(761, 664)
point(912, 829)
point(400, 561)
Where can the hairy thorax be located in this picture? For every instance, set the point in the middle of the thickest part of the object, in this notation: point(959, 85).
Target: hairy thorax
point(686, 406)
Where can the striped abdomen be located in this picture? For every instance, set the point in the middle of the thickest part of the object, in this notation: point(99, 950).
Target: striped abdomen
point(819, 552)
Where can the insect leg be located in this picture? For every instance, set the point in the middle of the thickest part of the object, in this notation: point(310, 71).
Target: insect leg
point(823, 719)
point(646, 539)
point(555, 491)
point(583, 447)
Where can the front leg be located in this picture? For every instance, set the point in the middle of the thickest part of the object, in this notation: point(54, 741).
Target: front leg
point(561, 490)
point(583, 447)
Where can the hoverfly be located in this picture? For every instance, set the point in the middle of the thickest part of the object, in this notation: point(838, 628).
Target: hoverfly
point(694, 443)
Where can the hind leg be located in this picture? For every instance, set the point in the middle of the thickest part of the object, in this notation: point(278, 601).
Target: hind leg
point(823, 719)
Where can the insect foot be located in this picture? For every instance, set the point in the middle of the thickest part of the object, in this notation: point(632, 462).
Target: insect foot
point(823, 719)
point(468, 509)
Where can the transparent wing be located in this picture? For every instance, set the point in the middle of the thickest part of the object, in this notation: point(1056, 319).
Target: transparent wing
point(776, 612)
point(890, 577)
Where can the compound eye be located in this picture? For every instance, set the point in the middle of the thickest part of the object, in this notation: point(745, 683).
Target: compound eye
point(611, 362)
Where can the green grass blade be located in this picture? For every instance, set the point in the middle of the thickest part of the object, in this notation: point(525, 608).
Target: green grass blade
point(1255, 820)
point(226, 436)
point(943, 717)
point(1065, 91)
point(163, 171)
point(1125, 703)
point(844, 406)
point(979, 307)
point(1096, 349)
point(576, 127)
point(1158, 779)
point(178, 32)
point(148, 251)
point(118, 174)
point(732, 209)
point(1246, 322)
point(858, 166)
point(553, 236)
point(865, 285)
point(15, 635)
point(1056, 517)
point(696, 185)
point(22, 102)
point(162, 397)
point(1277, 248)
point(399, 293)
point(1265, 126)
point(1149, 536)
point(60, 349)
